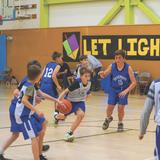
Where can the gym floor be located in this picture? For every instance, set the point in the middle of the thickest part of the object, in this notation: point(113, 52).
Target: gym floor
point(91, 141)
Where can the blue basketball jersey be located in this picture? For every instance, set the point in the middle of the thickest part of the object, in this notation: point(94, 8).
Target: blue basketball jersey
point(14, 100)
point(47, 75)
point(120, 80)
point(21, 112)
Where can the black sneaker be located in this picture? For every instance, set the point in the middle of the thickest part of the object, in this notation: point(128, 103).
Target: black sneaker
point(106, 123)
point(45, 148)
point(120, 127)
point(42, 157)
point(3, 158)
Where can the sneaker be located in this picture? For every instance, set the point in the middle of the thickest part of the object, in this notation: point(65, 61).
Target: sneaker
point(69, 137)
point(120, 127)
point(106, 123)
point(42, 157)
point(45, 148)
point(3, 158)
point(55, 120)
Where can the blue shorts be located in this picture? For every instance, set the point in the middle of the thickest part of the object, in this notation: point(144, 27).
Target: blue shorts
point(32, 127)
point(76, 106)
point(50, 90)
point(114, 99)
point(15, 127)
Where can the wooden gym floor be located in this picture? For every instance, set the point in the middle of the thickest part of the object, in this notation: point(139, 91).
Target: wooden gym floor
point(91, 143)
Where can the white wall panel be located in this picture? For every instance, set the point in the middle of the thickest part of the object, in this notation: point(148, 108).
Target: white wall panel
point(90, 13)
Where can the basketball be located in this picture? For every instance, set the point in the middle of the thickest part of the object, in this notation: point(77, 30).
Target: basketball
point(68, 107)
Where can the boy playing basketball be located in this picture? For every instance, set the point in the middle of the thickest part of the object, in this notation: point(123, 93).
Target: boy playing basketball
point(152, 100)
point(77, 94)
point(49, 82)
point(15, 131)
point(122, 82)
point(26, 118)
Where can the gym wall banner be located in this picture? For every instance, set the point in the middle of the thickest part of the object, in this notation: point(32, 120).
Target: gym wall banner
point(138, 47)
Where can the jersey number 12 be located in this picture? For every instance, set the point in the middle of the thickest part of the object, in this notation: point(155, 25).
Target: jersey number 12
point(48, 72)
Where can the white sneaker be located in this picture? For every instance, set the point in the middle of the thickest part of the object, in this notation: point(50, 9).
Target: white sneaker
point(68, 137)
point(55, 120)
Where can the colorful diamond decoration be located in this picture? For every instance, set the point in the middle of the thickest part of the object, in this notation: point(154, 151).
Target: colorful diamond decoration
point(71, 46)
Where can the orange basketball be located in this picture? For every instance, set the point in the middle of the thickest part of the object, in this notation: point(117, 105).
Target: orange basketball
point(66, 108)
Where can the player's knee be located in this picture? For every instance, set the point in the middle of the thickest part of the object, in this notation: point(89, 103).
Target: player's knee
point(15, 135)
point(121, 112)
point(81, 115)
point(44, 126)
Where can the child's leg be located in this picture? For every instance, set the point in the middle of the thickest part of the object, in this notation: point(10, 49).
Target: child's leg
point(121, 113)
point(120, 117)
point(79, 116)
point(109, 110)
point(8, 142)
point(35, 148)
point(60, 116)
point(41, 136)
point(109, 117)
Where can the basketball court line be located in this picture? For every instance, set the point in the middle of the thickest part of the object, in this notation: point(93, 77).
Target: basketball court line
point(85, 136)
point(80, 137)
point(50, 124)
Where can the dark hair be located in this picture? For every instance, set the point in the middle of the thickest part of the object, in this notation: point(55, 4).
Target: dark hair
point(84, 70)
point(56, 55)
point(82, 57)
point(34, 62)
point(120, 52)
point(33, 72)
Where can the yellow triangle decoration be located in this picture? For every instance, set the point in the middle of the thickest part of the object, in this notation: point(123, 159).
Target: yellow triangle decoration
point(74, 54)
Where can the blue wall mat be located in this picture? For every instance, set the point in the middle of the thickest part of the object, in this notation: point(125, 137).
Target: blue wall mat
point(3, 52)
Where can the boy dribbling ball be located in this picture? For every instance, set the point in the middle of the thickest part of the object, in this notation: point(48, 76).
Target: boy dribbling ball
point(77, 94)
point(122, 82)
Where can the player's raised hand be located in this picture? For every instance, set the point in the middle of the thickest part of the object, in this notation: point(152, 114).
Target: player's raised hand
point(141, 137)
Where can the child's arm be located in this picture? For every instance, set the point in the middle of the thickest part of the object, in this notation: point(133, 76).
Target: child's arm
point(106, 72)
point(30, 106)
point(48, 97)
point(132, 85)
point(16, 92)
point(63, 94)
point(71, 88)
point(20, 85)
point(149, 103)
point(54, 77)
